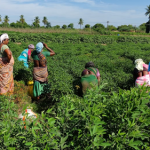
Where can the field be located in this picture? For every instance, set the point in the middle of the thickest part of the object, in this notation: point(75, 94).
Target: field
point(113, 117)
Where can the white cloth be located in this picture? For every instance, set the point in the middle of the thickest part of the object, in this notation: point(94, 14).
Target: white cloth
point(3, 37)
point(139, 64)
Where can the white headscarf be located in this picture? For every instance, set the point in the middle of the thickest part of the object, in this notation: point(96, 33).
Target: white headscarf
point(3, 37)
point(139, 64)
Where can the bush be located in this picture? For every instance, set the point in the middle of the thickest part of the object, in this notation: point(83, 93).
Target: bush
point(98, 121)
point(87, 26)
point(64, 26)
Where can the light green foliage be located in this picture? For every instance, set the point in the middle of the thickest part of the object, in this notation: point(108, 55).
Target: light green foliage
point(98, 121)
point(113, 117)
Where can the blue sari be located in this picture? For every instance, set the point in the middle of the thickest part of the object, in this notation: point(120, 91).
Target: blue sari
point(24, 57)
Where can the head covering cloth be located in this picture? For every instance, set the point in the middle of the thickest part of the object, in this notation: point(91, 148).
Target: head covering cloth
point(39, 47)
point(139, 64)
point(3, 37)
point(31, 46)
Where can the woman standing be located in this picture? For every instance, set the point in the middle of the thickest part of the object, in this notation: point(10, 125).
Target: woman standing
point(25, 56)
point(40, 73)
point(6, 66)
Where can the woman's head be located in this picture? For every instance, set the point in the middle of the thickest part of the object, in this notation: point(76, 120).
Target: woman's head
point(31, 47)
point(4, 38)
point(84, 72)
point(89, 64)
point(39, 47)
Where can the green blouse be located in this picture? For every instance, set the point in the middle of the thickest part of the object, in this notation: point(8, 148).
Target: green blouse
point(2, 54)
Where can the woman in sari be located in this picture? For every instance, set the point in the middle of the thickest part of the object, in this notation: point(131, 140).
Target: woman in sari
point(40, 73)
point(25, 56)
point(91, 64)
point(140, 73)
point(89, 79)
point(6, 66)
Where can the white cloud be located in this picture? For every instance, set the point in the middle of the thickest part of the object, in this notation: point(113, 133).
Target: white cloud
point(65, 13)
point(84, 1)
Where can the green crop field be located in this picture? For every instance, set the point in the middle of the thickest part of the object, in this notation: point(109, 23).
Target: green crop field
point(113, 117)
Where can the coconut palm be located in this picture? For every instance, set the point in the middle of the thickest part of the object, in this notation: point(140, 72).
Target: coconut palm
point(80, 22)
point(6, 20)
point(22, 20)
point(45, 21)
point(148, 11)
point(0, 18)
point(36, 21)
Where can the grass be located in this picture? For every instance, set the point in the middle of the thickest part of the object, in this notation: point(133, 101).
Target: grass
point(49, 30)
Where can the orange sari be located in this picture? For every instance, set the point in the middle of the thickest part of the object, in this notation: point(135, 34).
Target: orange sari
point(6, 76)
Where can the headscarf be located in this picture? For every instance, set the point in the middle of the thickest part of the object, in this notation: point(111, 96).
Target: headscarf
point(39, 47)
point(145, 67)
point(3, 37)
point(31, 46)
point(92, 70)
point(139, 64)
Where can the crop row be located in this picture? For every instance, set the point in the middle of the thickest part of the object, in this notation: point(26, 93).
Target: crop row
point(74, 38)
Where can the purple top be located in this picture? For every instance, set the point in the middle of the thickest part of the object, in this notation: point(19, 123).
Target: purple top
point(97, 74)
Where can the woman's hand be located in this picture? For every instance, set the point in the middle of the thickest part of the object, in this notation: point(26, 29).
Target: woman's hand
point(8, 53)
point(45, 45)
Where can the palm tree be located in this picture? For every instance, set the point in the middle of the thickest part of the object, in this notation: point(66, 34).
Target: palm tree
point(148, 23)
point(6, 20)
point(0, 18)
point(45, 21)
point(22, 20)
point(36, 21)
point(148, 11)
point(80, 22)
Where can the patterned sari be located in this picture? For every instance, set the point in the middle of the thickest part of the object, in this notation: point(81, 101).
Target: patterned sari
point(143, 80)
point(6, 76)
point(40, 77)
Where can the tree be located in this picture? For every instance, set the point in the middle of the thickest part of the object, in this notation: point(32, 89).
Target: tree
point(64, 26)
point(80, 22)
point(111, 27)
point(98, 25)
point(87, 26)
point(142, 26)
point(48, 25)
point(0, 18)
point(22, 20)
point(148, 23)
point(6, 20)
point(45, 21)
point(57, 27)
point(36, 22)
point(148, 11)
point(70, 25)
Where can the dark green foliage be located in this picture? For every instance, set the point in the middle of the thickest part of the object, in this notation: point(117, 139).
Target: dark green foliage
point(71, 25)
point(56, 27)
point(64, 26)
point(125, 28)
point(98, 25)
point(87, 26)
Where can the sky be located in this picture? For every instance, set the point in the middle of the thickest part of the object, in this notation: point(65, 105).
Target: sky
point(59, 12)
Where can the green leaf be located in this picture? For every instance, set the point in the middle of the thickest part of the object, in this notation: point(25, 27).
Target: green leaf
point(28, 143)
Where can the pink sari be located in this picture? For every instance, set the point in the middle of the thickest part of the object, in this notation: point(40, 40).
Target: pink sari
point(143, 80)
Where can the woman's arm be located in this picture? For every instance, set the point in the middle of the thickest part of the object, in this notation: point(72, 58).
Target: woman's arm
point(51, 51)
point(8, 53)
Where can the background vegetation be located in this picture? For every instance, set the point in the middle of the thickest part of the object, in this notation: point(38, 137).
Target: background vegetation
point(113, 117)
